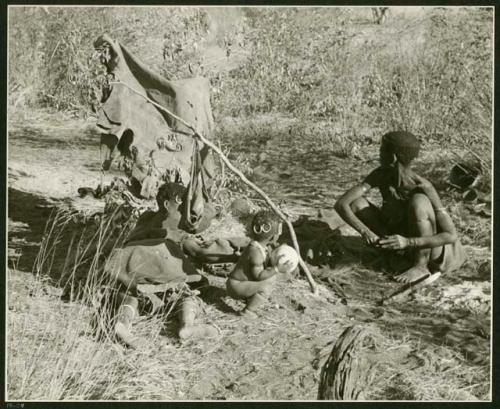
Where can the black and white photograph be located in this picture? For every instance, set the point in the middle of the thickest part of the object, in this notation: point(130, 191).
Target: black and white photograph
point(249, 203)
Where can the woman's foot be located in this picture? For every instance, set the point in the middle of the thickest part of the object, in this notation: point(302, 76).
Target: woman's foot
point(198, 331)
point(248, 313)
point(413, 274)
point(122, 331)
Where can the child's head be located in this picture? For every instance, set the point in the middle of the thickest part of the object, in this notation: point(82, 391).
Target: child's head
point(401, 146)
point(266, 225)
point(170, 195)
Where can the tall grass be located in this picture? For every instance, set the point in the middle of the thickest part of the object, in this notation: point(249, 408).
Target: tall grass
point(60, 346)
point(53, 63)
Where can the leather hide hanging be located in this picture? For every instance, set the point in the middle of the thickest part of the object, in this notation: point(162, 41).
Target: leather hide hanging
point(197, 210)
point(157, 145)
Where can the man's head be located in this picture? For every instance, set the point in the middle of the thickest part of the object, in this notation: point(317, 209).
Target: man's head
point(399, 145)
point(170, 196)
point(266, 226)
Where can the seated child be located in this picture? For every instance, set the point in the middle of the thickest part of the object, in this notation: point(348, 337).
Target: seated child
point(412, 217)
point(252, 278)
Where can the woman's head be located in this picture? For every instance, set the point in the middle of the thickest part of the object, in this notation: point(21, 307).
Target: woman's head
point(265, 225)
point(399, 145)
point(169, 194)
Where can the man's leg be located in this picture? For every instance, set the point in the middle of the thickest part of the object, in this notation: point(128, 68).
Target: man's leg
point(422, 223)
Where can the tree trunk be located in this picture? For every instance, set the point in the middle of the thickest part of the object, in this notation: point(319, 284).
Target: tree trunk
point(346, 374)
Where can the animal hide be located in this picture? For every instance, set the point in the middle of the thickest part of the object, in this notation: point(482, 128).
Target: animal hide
point(158, 138)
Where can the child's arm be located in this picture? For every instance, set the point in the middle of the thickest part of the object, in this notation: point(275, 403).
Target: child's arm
point(256, 266)
point(267, 273)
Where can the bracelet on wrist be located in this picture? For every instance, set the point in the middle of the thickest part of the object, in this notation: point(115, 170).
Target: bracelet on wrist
point(412, 242)
point(441, 210)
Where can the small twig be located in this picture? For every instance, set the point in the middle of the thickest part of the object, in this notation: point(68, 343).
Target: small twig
point(269, 202)
point(53, 52)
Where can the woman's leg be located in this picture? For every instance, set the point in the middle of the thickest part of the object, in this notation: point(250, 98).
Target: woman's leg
point(422, 223)
point(128, 309)
point(188, 328)
point(216, 251)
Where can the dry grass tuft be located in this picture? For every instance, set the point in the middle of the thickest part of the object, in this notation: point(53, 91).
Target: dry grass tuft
point(55, 351)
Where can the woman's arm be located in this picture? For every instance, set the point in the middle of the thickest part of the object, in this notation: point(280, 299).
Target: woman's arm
point(343, 208)
point(448, 235)
point(447, 232)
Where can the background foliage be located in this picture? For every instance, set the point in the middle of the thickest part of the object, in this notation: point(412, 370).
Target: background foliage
point(430, 73)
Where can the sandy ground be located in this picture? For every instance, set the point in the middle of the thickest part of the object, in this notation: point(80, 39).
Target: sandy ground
point(435, 344)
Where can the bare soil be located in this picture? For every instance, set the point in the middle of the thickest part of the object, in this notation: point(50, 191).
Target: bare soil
point(435, 345)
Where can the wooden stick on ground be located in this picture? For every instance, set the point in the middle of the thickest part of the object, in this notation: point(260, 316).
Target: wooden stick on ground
point(219, 152)
point(404, 290)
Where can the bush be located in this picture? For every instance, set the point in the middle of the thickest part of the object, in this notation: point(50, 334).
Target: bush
point(53, 63)
point(431, 75)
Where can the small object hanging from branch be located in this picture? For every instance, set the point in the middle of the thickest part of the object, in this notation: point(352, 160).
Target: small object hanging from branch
point(221, 155)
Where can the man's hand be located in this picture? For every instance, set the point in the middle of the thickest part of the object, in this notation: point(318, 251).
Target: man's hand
point(370, 238)
point(395, 242)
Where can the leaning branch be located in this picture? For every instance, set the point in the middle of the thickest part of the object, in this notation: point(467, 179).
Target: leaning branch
point(219, 152)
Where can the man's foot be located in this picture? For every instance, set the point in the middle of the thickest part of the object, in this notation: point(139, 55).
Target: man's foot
point(248, 314)
point(413, 274)
point(198, 331)
point(122, 331)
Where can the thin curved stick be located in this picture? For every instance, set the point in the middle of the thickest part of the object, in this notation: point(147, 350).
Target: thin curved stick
point(219, 152)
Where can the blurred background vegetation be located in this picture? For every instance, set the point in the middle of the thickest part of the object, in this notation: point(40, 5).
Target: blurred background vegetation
point(343, 77)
